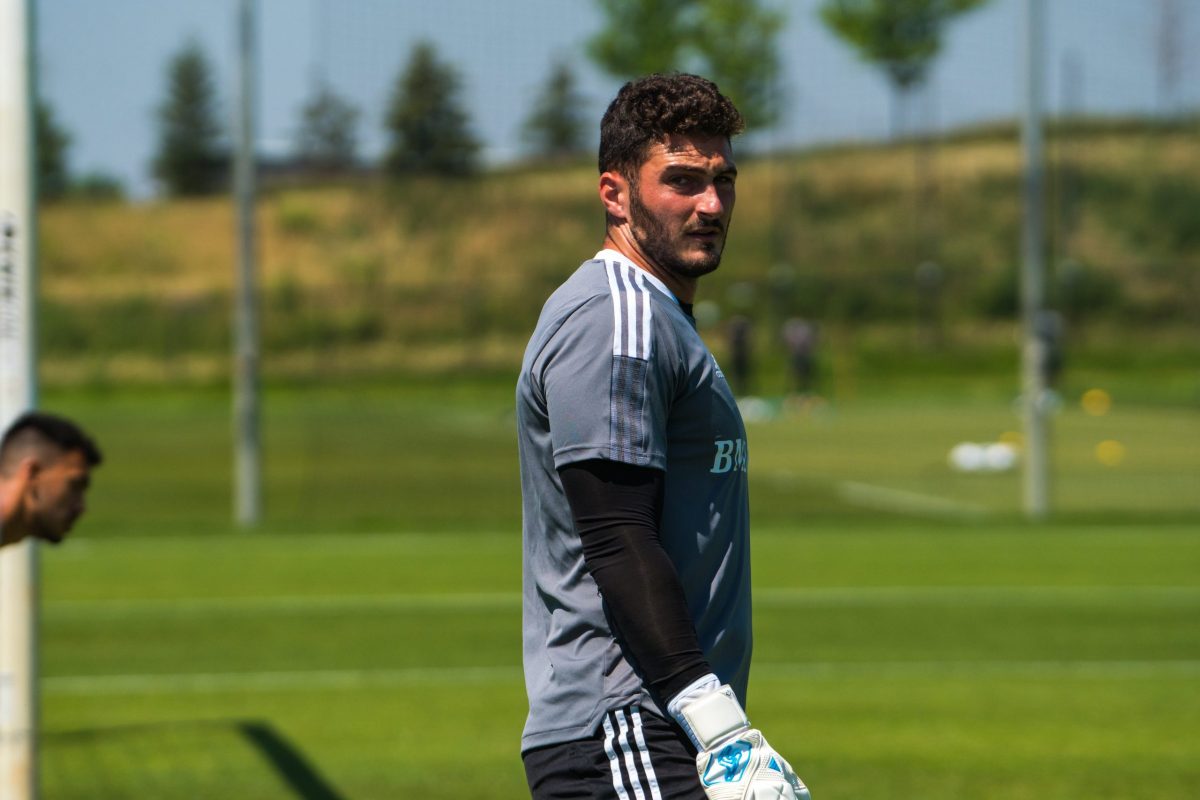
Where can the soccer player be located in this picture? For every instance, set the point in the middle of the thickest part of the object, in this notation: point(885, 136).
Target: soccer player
point(45, 470)
point(636, 563)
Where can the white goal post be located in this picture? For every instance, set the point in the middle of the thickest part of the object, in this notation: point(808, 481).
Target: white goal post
point(18, 393)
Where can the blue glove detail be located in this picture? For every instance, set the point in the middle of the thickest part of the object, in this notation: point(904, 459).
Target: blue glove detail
point(727, 765)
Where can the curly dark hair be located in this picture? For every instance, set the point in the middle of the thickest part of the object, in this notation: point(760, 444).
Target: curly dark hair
point(650, 108)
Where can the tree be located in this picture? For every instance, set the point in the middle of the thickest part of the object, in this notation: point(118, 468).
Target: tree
point(328, 139)
point(430, 132)
point(642, 36)
point(730, 41)
point(53, 178)
point(98, 187)
point(190, 158)
point(556, 128)
point(902, 37)
point(736, 41)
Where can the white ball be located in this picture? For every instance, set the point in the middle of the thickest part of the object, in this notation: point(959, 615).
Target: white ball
point(754, 409)
point(967, 457)
point(1000, 456)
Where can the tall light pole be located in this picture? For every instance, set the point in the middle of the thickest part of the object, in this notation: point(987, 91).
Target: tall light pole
point(18, 393)
point(247, 445)
point(1036, 478)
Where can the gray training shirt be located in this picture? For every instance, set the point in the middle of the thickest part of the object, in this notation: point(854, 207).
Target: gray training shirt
point(616, 370)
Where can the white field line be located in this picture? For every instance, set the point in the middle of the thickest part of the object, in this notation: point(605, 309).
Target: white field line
point(281, 604)
point(201, 607)
point(988, 668)
point(341, 680)
point(316, 545)
point(902, 501)
point(979, 596)
point(301, 680)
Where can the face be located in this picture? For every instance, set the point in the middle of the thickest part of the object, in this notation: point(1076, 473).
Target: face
point(56, 496)
point(681, 204)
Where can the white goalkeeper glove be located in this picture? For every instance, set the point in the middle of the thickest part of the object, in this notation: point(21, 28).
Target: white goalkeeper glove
point(733, 760)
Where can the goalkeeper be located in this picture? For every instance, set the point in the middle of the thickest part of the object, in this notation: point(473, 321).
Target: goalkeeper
point(636, 559)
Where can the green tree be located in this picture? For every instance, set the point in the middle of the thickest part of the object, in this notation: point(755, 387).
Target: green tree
point(98, 187)
point(643, 36)
point(53, 177)
point(901, 37)
point(730, 41)
point(736, 42)
point(556, 127)
point(430, 132)
point(328, 139)
point(190, 158)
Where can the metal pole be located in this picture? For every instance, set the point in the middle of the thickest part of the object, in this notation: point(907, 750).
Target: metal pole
point(247, 456)
point(1033, 394)
point(18, 393)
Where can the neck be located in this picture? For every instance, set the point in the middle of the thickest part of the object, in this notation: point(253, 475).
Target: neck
point(11, 528)
point(619, 239)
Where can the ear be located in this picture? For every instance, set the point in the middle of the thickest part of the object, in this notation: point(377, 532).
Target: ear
point(27, 469)
point(614, 194)
point(14, 489)
point(27, 472)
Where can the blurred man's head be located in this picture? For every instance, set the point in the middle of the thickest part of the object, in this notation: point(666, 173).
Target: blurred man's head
point(45, 471)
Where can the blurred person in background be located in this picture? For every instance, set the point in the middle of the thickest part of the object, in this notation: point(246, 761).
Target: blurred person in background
point(741, 344)
point(800, 340)
point(636, 562)
point(45, 471)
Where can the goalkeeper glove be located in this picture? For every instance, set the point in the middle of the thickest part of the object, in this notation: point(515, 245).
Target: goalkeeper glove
point(733, 760)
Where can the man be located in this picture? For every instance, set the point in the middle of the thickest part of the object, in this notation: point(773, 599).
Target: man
point(45, 471)
point(633, 474)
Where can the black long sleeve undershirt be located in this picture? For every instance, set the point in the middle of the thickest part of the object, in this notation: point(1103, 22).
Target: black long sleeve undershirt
point(617, 509)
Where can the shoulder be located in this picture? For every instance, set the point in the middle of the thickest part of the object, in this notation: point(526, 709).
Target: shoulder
point(583, 296)
point(577, 316)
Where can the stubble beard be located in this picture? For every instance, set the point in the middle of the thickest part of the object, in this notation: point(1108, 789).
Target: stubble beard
point(50, 535)
point(655, 241)
point(51, 531)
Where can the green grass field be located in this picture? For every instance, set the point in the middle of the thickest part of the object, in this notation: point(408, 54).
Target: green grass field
point(915, 638)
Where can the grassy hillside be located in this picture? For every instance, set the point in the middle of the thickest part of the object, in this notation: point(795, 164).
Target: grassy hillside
point(430, 276)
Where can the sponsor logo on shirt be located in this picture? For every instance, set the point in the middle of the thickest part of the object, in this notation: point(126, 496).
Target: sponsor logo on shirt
point(730, 456)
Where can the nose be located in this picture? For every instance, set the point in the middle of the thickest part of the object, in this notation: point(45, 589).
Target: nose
point(711, 204)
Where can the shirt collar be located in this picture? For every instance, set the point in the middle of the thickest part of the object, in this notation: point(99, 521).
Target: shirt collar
point(609, 253)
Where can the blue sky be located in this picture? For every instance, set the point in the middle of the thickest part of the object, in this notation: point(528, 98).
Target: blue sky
point(103, 66)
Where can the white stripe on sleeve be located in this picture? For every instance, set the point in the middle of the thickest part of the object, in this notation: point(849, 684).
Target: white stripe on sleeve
point(632, 310)
point(645, 353)
point(618, 318)
point(631, 298)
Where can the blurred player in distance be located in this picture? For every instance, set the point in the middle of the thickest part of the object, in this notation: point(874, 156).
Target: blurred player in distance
point(45, 471)
point(636, 562)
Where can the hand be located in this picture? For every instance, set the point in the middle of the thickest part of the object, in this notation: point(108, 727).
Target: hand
point(733, 760)
point(747, 768)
